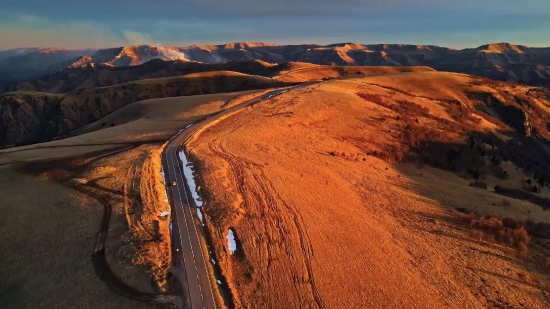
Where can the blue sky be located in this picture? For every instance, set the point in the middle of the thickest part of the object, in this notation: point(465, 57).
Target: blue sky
point(108, 23)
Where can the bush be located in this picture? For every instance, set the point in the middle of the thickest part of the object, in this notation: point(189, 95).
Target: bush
point(523, 251)
point(508, 231)
point(505, 203)
point(478, 184)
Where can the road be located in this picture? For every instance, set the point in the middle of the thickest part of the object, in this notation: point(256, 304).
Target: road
point(195, 284)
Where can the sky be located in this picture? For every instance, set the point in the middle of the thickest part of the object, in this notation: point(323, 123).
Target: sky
point(112, 23)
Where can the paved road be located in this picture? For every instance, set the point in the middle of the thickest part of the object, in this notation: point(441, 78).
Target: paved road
point(195, 284)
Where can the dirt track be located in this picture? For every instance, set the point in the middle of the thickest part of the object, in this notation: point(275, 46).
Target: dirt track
point(99, 260)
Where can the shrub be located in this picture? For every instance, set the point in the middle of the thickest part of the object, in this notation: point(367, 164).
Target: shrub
point(523, 251)
point(478, 184)
point(505, 203)
point(508, 231)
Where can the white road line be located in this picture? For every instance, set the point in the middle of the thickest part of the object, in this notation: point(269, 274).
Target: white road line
point(186, 226)
point(181, 241)
point(178, 142)
point(207, 276)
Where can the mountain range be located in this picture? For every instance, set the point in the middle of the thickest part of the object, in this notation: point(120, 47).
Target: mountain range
point(499, 61)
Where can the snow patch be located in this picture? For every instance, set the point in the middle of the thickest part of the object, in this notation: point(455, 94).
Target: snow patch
point(188, 173)
point(199, 214)
point(169, 211)
point(231, 243)
point(163, 176)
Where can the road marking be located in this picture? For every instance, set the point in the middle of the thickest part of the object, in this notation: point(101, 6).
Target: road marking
point(190, 243)
point(178, 141)
point(197, 234)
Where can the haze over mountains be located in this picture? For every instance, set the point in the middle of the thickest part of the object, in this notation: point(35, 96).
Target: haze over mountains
point(501, 61)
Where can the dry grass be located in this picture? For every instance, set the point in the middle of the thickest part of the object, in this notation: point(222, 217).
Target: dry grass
point(44, 218)
point(47, 233)
point(148, 121)
point(303, 73)
point(326, 217)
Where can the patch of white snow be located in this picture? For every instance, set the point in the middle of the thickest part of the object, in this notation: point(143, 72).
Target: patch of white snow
point(163, 176)
point(231, 241)
point(188, 173)
point(199, 214)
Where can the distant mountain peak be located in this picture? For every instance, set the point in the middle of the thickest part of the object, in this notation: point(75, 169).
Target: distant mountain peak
point(503, 47)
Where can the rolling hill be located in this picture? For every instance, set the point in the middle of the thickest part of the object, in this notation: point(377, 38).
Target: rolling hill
point(384, 191)
point(90, 76)
point(29, 117)
point(23, 64)
point(501, 61)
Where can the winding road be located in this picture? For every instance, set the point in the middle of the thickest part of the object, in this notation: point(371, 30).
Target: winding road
point(196, 289)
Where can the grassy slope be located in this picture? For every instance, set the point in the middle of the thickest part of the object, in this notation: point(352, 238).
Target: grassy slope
point(36, 117)
point(48, 230)
point(148, 121)
point(352, 230)
point(47, 236)
point(302, 73)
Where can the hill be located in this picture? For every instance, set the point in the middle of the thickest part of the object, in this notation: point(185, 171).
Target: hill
point(16, 52)
point(59, 222)
point(501, 61)
point(90, 76)
point(23, 64)
point(31, 117)
point(359, 190)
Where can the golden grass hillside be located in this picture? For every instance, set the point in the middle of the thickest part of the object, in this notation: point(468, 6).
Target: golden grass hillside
point(148, 121)
point(304, 73)
point(31, 117)
point(48, 232)
point(328, 212)
point(49, 228)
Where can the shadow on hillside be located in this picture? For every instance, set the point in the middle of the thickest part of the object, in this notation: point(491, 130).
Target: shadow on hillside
point(483, 154)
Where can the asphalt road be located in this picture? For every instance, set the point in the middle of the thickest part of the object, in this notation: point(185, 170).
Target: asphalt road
point(195, 284)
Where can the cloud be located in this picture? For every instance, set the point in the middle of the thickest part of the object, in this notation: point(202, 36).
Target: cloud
point(137, 38)
point(32, 31)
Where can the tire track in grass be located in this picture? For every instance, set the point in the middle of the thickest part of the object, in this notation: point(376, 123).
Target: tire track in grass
point(101, 266)
point(264, 194)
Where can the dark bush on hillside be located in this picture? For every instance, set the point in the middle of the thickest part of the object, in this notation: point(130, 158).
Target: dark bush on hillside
point(478, 184)
point(507, 231)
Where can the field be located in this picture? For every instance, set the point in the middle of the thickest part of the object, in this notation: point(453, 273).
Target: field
point(148, 121)
point(330, 209)
point(302, 72)
point(49, 229)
